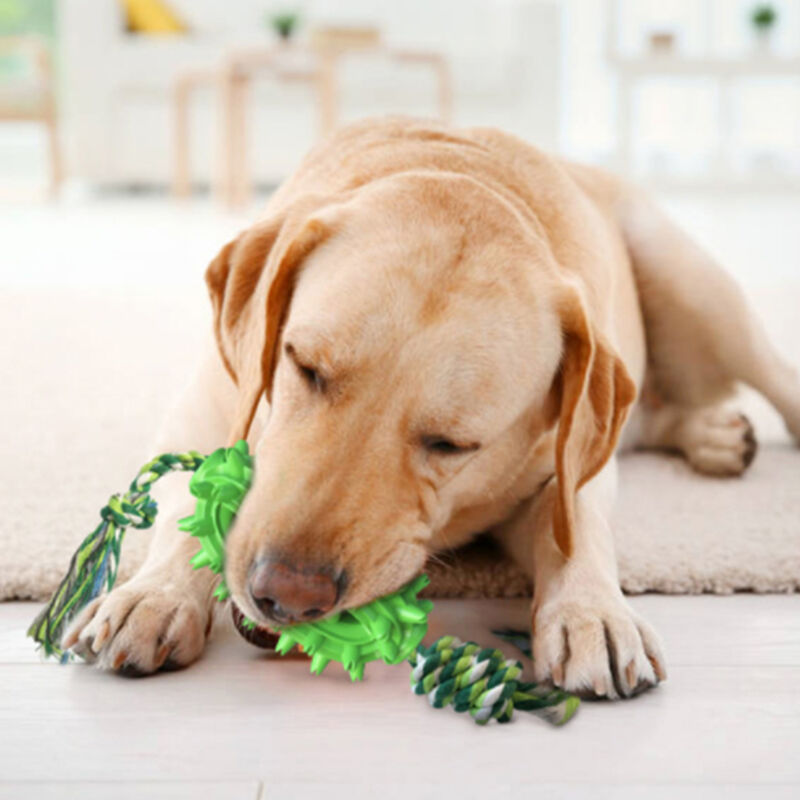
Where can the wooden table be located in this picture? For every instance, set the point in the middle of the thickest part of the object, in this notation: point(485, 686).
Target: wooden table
point(317, 66)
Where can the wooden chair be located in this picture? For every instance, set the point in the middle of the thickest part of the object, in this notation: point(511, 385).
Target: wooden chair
point(31, 98)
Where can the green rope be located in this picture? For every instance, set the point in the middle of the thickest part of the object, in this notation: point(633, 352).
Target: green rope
point(94, 564)
point(483, 682)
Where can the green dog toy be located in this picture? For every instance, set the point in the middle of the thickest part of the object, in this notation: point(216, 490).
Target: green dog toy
point(391, 628)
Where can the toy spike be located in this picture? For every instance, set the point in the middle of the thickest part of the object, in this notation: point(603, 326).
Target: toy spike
point(318, 663)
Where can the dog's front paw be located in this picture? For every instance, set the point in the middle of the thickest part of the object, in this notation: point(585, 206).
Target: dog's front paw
point(595, 647)
point(141, 627)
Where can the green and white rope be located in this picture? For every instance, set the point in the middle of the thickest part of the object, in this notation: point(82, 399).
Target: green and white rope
point(483, 682)
point(94, 564)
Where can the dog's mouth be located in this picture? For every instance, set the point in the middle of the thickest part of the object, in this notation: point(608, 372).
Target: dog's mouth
point(258, 635)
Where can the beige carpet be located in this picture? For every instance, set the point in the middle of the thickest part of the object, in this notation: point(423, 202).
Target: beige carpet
point(85, 379)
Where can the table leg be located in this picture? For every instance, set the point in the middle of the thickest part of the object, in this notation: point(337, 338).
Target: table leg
point(180, 141)
point(240, 179)
point(223, 183)
point(54, 152)
point(723, 162)
point(445, 90)
point(327, 92)
point(625, 156)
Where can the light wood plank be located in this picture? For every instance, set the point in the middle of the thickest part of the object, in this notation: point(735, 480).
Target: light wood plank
point(744, 629)
point(256, 717)
point(730, 713)
point(300, 790)
point(134, 790)
point(551, 791)
point(15, 647)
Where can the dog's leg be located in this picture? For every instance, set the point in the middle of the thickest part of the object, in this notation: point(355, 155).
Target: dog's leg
point(586, 637)
point(702, 339)
point(161, 617)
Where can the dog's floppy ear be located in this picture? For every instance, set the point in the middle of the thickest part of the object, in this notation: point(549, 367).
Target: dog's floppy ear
point(232, 278)
point(250, 283)
point(595, 392)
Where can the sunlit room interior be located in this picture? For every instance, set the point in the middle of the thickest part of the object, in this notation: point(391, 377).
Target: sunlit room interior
point(204, 116)
point(137, 137)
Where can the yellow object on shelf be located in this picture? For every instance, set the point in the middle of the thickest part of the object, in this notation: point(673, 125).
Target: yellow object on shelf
point(152, 16)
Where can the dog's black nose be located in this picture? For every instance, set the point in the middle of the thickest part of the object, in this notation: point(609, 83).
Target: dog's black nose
point(294, 592)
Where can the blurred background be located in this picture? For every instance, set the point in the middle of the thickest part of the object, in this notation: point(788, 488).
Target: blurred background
point(151, 94)
point(136, 136)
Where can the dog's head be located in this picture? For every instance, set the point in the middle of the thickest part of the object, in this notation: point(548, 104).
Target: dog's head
point(421, 354)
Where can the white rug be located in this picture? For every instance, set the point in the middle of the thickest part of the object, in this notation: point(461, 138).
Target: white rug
point(85, 379)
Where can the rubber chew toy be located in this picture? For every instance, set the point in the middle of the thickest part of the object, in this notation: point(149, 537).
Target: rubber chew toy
point(391, 628)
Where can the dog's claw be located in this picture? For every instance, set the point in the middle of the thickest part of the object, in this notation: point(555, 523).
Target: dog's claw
point(658, 668)
point(630, 675)
point(101, 637)
point(119, 660)
point(161, 655)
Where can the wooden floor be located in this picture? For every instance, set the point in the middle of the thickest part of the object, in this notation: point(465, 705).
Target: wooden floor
point(239, 726)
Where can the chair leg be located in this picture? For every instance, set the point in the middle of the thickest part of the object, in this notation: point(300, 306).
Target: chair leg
point(54, 149)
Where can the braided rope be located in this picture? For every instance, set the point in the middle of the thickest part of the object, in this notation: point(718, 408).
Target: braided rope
point(96, 561)
point(483, 682)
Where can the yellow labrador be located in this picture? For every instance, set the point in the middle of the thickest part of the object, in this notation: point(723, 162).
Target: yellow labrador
point(431, 333)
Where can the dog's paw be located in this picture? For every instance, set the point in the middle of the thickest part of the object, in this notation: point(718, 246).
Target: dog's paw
point(140, 628)
point(718, 441)
point(595, 648)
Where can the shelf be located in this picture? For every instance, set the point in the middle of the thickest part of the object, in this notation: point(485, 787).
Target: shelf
point(676, 65)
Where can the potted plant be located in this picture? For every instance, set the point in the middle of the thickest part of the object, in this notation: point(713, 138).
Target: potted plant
point(764, 17)
point(284, 24)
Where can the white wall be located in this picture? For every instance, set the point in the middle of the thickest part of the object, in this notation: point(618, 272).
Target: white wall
point(676, 122)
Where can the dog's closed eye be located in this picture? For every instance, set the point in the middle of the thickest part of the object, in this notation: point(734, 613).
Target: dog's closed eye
point(311, 375)
point(443, 446)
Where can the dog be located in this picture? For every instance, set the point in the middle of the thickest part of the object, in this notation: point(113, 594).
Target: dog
point(431, 333)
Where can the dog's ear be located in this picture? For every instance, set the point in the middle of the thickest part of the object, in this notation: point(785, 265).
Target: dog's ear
point(250, 284)
point(232, 278)
point(594, 392)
